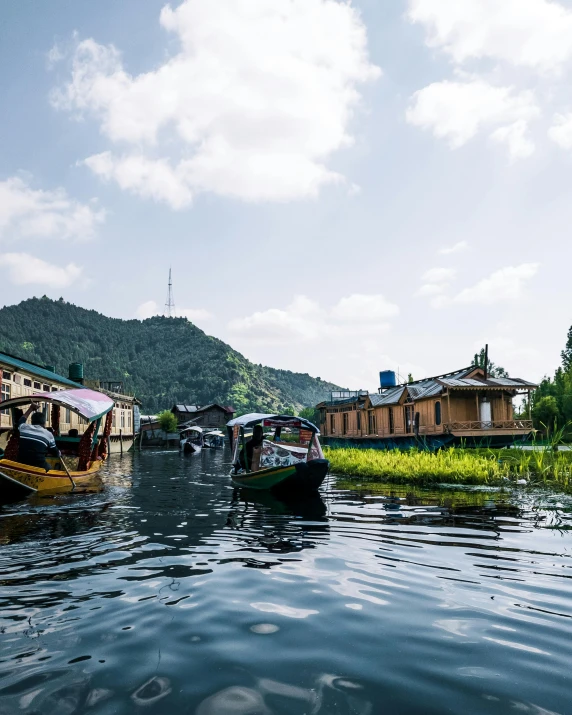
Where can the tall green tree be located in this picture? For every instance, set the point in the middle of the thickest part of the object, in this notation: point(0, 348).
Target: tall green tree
point(480, 360)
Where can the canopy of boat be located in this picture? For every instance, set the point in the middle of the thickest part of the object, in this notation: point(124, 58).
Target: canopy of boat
point(273, 421)
point(191, 428)
point(88, 403)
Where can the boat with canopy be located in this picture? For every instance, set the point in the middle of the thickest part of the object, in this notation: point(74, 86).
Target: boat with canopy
point(191, 439)
point(81, 454)
point(289, 458)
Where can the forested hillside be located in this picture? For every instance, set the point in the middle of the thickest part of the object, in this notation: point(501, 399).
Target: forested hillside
point(161, 360)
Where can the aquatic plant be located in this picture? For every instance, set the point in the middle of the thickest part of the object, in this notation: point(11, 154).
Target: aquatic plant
point(457, 465)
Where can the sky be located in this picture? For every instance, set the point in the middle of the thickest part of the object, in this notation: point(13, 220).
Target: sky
point(339, 188)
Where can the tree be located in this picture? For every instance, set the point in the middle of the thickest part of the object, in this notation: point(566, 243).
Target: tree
point(167, 421)
point(492, 369)
point(545, 413)
point(567, 353)
point(310, 414)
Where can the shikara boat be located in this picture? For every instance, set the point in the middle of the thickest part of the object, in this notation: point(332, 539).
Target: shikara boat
point(82, 455)
point(289, 460)
point(214, 439)
point(191, 441)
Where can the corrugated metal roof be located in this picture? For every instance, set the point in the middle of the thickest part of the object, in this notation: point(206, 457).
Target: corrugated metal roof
point(490, 382)
point(35, 370)
point(389, 397)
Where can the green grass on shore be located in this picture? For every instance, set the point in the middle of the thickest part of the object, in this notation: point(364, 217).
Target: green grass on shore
point(455, 465)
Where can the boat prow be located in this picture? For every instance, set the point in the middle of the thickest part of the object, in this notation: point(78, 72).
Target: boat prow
point(13, 490)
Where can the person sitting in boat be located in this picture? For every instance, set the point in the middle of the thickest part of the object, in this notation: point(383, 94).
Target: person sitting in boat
point(35, 440)
point(254, 443)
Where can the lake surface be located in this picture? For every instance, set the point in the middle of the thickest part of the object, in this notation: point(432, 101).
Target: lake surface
point(171, 592)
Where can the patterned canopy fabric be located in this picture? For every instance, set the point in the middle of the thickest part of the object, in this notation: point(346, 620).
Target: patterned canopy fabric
point(88, 403)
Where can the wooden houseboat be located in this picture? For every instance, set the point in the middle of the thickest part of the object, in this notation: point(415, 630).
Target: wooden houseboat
point(19, 378)
point(213, 416)
point(465, 406)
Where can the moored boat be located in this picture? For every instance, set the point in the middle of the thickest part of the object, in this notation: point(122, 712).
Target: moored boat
point(292, 462)
point(81, 455)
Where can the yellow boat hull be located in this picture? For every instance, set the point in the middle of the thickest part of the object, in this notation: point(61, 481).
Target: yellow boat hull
point(21, 479)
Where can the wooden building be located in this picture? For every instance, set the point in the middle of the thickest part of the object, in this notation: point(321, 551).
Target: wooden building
point(20, 377)
point(459, 406)
point(213, 415)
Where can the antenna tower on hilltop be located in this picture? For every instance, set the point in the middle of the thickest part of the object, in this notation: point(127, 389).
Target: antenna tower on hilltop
point(170, 302)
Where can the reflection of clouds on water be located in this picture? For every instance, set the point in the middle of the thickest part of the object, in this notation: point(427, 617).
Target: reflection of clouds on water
point(282, 610)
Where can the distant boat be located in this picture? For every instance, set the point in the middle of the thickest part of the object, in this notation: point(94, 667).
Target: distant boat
point(82, 456)
point(213, 439)
point(192, 440)
point(293, 466)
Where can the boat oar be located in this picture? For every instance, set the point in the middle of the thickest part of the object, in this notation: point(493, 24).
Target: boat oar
point(67, 471)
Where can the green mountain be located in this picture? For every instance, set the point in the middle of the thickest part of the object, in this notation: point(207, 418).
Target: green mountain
point(162, 361)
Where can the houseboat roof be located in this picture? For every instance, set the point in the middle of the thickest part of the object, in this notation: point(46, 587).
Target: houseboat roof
point(35, 369)
point(201, 408)
point(433, 386)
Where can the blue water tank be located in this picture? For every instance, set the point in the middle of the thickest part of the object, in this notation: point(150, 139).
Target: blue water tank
point(387, 379)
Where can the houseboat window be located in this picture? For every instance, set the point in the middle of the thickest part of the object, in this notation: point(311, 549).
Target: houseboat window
point(16, 379)
point(27, 382)
point(68, 416)
point(6, 375)
point(391, 421)
point(122, 419)
point(358, 416)
point(5, 396)
point(332, 424)
point(372, 422)
point(409, 418)
point(46, 388)
point(54, 389)
point(437, 413)
point(345, 422)
point(37, 386)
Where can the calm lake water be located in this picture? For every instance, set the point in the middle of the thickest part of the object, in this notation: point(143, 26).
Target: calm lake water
point(171, 592)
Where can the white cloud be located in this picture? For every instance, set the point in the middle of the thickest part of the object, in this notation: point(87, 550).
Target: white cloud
point(195, 315)
point(252, 105)
point(506, 284)
point(304, 320)
point(364, 309)
point(150, 309)
point(516, 137)
point(561, 130)
point(530, 33)
point(439, 275)
point(502, 43)
point(455, 248)
point(148, 178)
point(147, 310)
point(436, 281)
point(24, 269)
point(458, 110)
point(32, 212)
point(429, 289)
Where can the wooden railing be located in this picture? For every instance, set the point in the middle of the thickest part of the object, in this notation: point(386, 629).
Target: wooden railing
point(488, 425)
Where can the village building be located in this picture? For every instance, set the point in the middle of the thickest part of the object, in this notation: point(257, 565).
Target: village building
point(207, 416)
point(465, 406)
point(20, 377)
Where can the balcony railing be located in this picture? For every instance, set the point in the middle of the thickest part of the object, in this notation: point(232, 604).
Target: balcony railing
point(471, 426)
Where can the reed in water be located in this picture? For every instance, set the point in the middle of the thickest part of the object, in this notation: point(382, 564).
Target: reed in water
point(456, 465)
